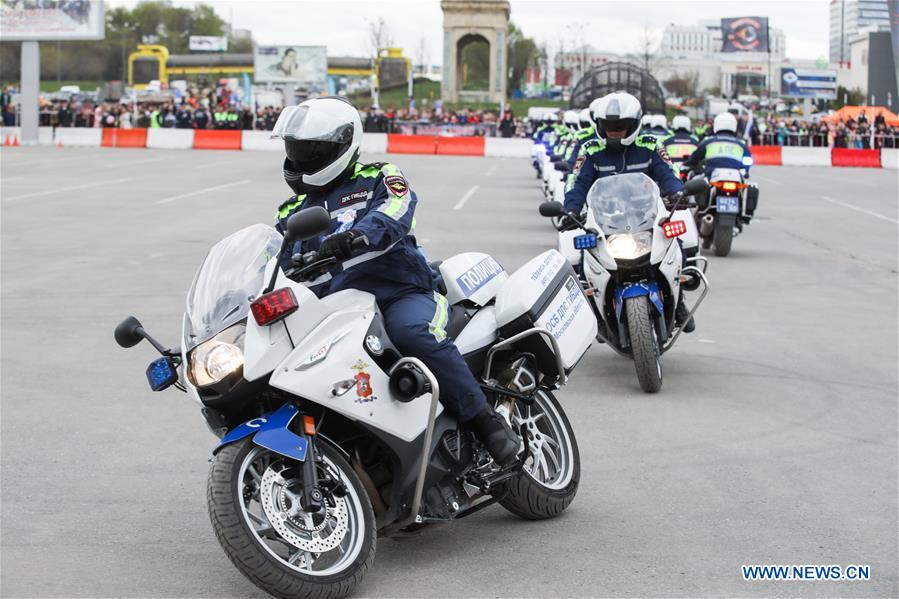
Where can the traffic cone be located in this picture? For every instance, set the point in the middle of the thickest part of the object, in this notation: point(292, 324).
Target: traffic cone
point(6, 141)
point(59, 144)
point(15, 141)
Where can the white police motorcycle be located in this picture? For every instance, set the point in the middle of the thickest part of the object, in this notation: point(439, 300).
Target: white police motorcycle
point(329, 437)
point(633, 268)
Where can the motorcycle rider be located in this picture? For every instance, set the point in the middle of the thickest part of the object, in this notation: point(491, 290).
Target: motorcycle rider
point(681, 144)
point(659, 126)
point(322, 140)
point(724, 149)
point(618, 148)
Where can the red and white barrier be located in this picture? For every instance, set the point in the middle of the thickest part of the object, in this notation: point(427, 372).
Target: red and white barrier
point(381, 143)
point(803, 156)
point(507, 147)
point(260, 140)
point(71, 136)
point(889, 158)
point(170, 139)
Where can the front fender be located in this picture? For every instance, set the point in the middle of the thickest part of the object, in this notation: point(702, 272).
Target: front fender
point(629, 290)
point(270, 431)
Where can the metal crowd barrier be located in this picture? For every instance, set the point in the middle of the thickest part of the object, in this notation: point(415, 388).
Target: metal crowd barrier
point(825, 140)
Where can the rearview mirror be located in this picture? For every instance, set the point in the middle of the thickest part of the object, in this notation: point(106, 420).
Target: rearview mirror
point(129, 332)
point(696, 185)
point(552, 209)
point(308, 223)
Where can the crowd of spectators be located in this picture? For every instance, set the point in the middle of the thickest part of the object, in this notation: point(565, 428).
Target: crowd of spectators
point(218, 107)
point(476, 122)
point(856, 133)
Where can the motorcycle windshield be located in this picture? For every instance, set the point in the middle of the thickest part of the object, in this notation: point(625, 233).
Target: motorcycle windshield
point(232, 273)
point(624, 203)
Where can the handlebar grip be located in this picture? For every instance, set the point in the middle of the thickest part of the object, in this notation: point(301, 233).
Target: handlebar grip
point(360, 243)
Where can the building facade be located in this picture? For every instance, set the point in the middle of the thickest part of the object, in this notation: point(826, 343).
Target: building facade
point(704, 40)
point(848, 18)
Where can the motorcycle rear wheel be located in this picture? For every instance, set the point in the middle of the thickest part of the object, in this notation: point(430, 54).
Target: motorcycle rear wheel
point(724, 236)
point(259, 547)
point(549, 481)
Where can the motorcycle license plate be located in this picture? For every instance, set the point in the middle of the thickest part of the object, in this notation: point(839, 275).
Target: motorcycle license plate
point(728, 204)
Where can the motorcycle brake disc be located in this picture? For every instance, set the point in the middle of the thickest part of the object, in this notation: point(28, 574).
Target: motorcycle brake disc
point(290, 521)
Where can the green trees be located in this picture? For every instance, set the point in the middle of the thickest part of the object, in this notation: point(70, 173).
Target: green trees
point(151, 21)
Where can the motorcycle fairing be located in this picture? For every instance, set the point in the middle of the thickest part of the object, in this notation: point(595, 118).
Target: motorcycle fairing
point(272, 433)
point(630, 290)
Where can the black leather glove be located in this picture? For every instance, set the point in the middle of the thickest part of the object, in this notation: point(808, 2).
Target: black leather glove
point(338, 245)
point(675, 199)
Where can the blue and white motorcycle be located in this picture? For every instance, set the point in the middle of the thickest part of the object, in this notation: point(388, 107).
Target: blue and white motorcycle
point(633, 266)
point(329, 437)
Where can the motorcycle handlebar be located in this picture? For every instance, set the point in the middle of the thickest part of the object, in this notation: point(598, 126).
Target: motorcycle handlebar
point(313, 262)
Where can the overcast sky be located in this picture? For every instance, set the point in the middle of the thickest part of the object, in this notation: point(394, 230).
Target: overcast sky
point(614, 26)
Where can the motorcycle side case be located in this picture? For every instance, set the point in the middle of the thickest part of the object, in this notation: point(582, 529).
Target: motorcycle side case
point(472, 276)
point(545, 293)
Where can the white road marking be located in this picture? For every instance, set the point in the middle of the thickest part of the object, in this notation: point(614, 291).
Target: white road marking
point(202, 191)
point(461, 203)
point(66, 189)
point(491, 170)
point(862, 210)
point(13, 164)
point(705, 341)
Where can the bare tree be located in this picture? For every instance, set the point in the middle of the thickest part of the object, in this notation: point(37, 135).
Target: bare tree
point(576, 32)
point(378, 36)
point(647, 49)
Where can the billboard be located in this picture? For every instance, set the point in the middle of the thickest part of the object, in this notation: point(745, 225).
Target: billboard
point(39, 20)
point(744, 34)
point(818, 84)
point(207, 43)
point(301, 65)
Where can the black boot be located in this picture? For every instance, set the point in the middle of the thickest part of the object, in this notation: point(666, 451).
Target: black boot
point(680, 315)
point(494, 432)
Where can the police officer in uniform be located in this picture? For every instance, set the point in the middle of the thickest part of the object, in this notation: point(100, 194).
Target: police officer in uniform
point(618, 148)
point(681, 144)
point(724, 149)
point(322, 139)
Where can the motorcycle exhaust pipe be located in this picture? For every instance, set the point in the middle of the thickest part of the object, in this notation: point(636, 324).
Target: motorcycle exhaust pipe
point(706, 225)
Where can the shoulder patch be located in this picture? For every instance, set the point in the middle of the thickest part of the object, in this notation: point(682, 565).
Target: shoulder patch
point(663, 153)
point(396, 184)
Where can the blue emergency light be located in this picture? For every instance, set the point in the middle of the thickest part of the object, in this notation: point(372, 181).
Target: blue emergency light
point(585, 242)
point(161, 374)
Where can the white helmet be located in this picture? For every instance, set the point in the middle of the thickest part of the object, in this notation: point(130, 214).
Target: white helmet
point(617, 112)
point(570, 118)
point(680, 122)
point(322, 137)
point(659, 120)
point(725, 122)
point(584, 118)
point(646, 121)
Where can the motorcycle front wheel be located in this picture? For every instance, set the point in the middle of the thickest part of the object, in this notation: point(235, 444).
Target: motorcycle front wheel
point(644, 344)
point(254, 498)
point(552, 471)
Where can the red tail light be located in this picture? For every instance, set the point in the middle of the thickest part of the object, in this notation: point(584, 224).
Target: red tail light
point(274, 306)
point(674, 228)
point(728, 185)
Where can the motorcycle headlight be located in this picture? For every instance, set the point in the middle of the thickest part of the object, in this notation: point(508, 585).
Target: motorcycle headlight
point(218, 358)
point(630, 246)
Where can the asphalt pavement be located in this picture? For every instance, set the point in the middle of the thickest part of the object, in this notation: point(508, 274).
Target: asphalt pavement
point(773, 440)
